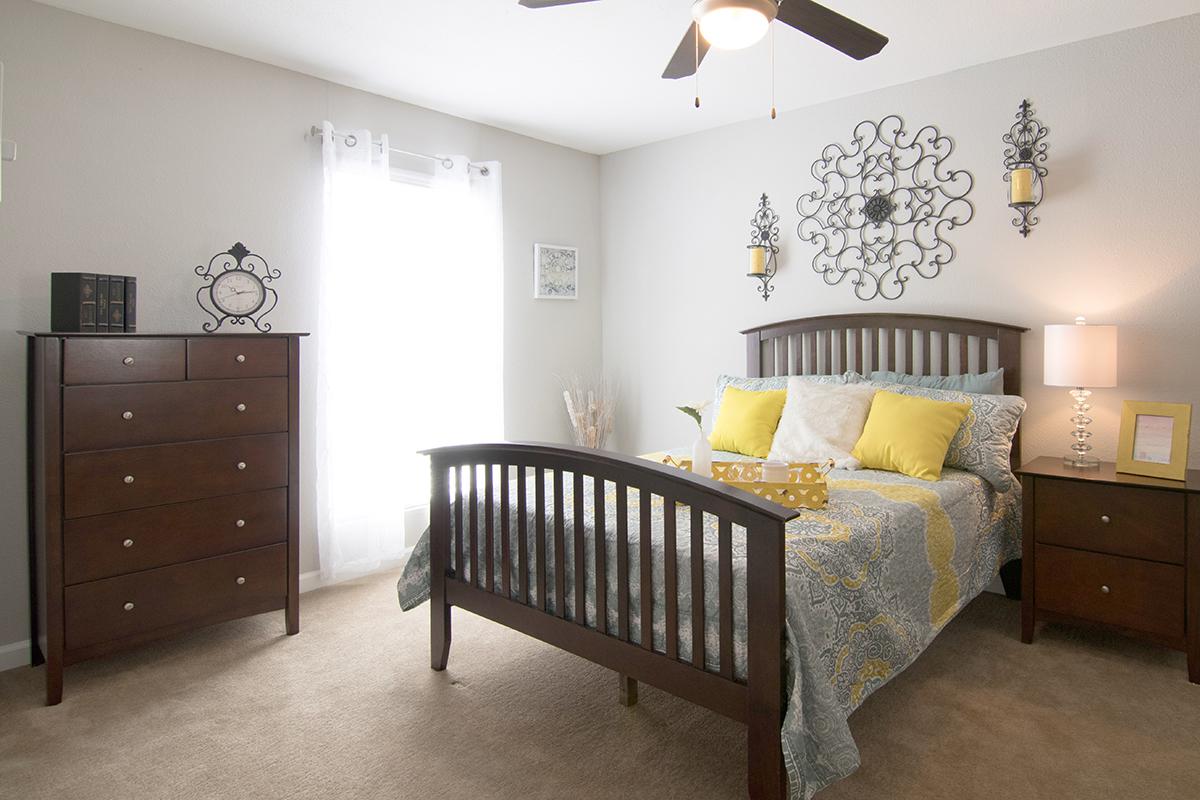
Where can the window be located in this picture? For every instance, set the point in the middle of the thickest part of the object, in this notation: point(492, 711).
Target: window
point(410, 338)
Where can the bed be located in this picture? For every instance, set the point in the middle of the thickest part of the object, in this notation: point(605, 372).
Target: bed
point(784, 620)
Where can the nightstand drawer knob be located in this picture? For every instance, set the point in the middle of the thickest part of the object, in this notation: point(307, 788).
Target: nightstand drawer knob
point(1105, 590)
point(127, 543)
point(128, 606)
point(128, 479)
point(241, 465)
point(127, 361)
point(240, 407)
point(1105, 518)
point(241, 523)
point(241, 581)
point(127, 415)
point(241, 359)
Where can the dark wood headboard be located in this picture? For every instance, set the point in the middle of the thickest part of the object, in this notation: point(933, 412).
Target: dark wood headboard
point(914, 344)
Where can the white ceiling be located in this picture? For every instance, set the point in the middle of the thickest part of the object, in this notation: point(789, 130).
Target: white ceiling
point(587, 75)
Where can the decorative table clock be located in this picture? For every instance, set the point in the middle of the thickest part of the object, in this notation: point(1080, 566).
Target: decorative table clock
point(235, 290)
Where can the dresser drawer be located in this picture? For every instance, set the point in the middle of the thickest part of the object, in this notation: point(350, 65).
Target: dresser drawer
point(116, 608)
point(130, 541)
point(101, 481)
point(236, 357)
point(1122, 520)
point(1127, 592)
point(102, 417)
point(123, 360)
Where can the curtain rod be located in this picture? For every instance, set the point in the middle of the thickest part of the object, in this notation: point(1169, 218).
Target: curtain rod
point(317, 132)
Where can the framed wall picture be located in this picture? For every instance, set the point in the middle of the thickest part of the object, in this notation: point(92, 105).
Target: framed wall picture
point(1154, 439)
point(555, 272)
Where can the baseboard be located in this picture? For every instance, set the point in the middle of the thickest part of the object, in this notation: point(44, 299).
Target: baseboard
point(310, 580)
point(14, 654)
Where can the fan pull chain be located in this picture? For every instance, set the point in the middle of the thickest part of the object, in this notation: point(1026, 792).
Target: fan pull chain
point(696, 42)
point(772, 32)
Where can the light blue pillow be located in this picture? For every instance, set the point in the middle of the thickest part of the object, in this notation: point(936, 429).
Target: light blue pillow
point(767, 384)
point(983, 383)
point(983, 444)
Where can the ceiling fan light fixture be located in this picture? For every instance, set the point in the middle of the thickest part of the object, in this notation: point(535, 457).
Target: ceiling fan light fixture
point(734, 24)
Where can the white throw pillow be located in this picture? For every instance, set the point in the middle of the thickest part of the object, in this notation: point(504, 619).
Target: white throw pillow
point(822, 421)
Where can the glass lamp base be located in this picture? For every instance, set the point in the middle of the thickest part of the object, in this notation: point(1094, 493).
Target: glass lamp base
point(1081, 462)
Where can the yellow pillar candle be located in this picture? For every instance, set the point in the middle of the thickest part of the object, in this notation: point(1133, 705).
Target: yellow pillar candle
point(758, 260)
point(1022, 185)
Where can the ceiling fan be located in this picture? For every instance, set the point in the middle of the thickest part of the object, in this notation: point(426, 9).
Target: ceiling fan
point(734, 24)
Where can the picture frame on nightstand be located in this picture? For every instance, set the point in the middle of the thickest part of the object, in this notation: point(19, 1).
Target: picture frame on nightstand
point(1154, 439)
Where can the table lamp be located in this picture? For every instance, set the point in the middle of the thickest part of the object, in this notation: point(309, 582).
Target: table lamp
point(1079, 356)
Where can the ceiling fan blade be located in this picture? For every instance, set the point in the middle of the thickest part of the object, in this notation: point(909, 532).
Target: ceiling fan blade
point(684, 62)
point(551, 3)
point(840, 33)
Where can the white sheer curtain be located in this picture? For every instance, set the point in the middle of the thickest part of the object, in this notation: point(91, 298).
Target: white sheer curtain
point(409, 340)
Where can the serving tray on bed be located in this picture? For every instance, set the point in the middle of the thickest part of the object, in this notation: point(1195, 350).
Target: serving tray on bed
point(804, 488)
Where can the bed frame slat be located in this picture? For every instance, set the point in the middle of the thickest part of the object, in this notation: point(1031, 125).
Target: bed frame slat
point(539, 536)
point(522, 536)
point(473, 518)
point(697, 563)
point(505, 544)
point(460, 568)
point(646, 568)
point(601, 554)
point(964, 365)
point(580, 552)
point(670, 578)
point(489, 516)
point(725, 595)
point(622, 562)
point(560, 549)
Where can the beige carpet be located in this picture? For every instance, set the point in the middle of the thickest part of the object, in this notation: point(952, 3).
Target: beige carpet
point(350, 709)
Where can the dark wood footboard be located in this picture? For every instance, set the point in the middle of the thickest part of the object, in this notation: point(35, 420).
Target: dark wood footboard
point(465, 475)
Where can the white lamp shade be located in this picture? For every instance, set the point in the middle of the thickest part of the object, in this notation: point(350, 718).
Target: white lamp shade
point(1081, 355)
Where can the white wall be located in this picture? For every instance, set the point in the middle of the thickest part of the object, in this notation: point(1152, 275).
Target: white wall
point(143, 155)
point(1119, 240)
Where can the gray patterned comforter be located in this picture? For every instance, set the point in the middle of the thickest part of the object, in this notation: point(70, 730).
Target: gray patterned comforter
point(871, 580)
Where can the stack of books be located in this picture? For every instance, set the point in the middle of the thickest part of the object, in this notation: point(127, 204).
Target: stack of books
point(85, 302)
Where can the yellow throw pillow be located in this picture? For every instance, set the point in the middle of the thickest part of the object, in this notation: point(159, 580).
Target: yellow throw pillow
point(909, 434)
point(747, 421)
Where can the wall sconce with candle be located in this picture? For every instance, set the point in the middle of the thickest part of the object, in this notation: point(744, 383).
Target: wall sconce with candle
point(764, 234)
point(1024, 159)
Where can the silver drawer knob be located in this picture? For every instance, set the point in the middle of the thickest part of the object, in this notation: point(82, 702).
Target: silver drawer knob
point(240, 407)
point(129, 479)
point(240, 580)
point(128, 606)
point(241, 359)
point(127, 415)
point(127, 543)
point(1105, 590)
point(1105, 518)
point(241, 523)
point(127, 361)
point(241, 465)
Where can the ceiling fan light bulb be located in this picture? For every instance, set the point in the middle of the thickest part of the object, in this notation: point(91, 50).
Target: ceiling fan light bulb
point(734, 24)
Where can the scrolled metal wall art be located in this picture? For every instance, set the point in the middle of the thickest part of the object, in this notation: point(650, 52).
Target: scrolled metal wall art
point(1026, 152)
point(883, 207)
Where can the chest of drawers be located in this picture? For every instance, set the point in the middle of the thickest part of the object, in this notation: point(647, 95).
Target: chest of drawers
point(1113, 549)
point(164, 488)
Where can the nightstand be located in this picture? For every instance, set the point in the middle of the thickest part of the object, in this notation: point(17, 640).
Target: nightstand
point(1118, 550)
